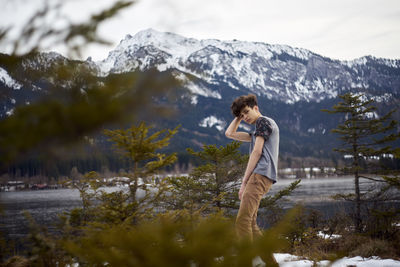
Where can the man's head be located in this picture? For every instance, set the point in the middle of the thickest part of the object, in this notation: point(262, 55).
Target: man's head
point(246, 107)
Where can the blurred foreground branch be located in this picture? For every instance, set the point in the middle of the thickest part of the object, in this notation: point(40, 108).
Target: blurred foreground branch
point(75, 101)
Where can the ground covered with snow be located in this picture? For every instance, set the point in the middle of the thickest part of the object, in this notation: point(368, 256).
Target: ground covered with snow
point(287, 260)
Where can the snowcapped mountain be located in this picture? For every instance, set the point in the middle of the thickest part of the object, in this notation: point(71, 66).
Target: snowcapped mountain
point(277, 72)
point(292, 85)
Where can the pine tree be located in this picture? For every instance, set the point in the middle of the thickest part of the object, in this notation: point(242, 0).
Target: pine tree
point(141, 149)
point(128, 206)
point(215, 183)
point(364, 136)
point(74, 174)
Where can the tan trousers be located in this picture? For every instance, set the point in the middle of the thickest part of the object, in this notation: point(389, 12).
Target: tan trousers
point(246, 220)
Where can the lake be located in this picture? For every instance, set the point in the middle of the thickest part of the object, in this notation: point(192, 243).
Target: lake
point(46, 205)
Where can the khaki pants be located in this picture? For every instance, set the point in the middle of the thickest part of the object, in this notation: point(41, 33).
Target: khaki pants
point(246, 220)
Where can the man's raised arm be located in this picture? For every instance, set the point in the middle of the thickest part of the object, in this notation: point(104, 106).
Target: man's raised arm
point(232, 133)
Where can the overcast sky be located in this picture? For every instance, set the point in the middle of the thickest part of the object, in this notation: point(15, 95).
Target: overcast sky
point(339, 29)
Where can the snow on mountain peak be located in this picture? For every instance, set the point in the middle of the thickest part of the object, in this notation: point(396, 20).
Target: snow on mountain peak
point(393, 63)
point(275, 71)
point(170, 43)
point(8, 80)
point(181, 48)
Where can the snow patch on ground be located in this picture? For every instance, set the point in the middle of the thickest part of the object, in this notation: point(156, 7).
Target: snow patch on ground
point(365, 262)
point(288, 260)
point(323, 235)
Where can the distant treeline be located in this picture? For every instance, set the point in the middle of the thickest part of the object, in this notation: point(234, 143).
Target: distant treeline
point(111, 163)
point(107, 162)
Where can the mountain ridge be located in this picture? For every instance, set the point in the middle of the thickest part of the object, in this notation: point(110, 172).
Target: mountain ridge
point(292, 85)
point(277, 71)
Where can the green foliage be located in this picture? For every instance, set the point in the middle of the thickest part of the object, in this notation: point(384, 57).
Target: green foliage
point(340, 238)
point(136, 144)
point(137, 200)
point(314, 247)
point(382, 221)
point(76, 101)
point(46, 250)
point(393, 181)
point(176, 240)
point(355, 244)
point(89, 190)
point(66, 115)
point(215, 183)
point(301, 230)
point(5, 246)
point(379, 247)
point(141, 149)
point(361, 131)
point(185, 193)
point(304, 237)
point(364, 137)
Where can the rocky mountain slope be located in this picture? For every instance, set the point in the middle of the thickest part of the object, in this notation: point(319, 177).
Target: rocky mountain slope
point(292, 85)
point(275, 71)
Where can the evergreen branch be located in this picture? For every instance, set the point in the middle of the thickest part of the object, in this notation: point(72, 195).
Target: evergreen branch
point(270, 201)
point(370, 178)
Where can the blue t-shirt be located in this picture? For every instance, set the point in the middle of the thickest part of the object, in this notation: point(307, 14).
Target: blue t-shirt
point(267, 165)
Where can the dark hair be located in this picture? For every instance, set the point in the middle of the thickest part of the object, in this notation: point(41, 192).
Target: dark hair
point(241, 102)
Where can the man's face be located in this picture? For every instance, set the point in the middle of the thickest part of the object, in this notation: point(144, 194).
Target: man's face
point(250, 115)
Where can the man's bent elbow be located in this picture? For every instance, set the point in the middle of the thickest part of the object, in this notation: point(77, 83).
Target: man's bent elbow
point(228, 134)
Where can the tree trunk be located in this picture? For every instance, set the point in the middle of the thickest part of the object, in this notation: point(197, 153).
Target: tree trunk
point(133, 188)
point(218, 185)
point(357, 216)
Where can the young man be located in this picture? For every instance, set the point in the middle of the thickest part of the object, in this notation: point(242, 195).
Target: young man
point(262, 168)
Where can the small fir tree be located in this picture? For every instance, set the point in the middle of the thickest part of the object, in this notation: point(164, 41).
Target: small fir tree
point(142, 150)
point(215, 183)
point(127, 206)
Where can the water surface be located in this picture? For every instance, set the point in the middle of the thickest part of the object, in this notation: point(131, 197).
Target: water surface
point(46, 205)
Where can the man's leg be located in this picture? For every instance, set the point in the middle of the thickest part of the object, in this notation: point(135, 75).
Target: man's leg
point(254, 227)
point(251, 198)
point(266, 184)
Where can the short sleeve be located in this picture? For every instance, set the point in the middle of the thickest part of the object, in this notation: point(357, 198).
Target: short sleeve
point(263, 128)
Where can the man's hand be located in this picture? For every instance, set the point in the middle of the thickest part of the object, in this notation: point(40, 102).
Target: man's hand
point(241, 190)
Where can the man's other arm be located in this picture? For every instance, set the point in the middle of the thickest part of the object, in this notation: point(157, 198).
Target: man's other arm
point(232, 133)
